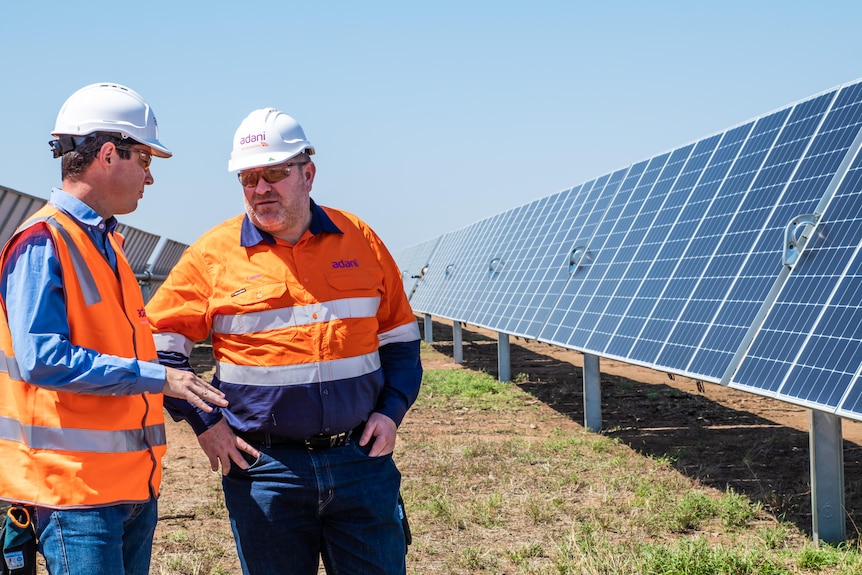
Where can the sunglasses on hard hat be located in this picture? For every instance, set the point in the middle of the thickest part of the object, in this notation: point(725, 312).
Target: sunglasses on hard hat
point(270, 175)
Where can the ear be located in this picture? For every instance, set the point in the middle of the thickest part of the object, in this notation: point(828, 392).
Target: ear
point(107, 154)
point(309, 172)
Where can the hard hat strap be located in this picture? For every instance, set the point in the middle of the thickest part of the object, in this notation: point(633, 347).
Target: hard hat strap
point(66, 143)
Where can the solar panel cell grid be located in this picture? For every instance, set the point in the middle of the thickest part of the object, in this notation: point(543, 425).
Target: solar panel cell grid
point(810, 344)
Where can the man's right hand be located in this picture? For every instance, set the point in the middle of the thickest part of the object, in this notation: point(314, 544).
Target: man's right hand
point(222, 445)
point(186, 385)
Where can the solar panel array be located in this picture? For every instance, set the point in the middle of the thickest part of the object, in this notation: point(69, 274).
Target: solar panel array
point(736, 259)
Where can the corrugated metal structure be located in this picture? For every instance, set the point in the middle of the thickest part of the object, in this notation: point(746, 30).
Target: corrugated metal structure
point(150, 255)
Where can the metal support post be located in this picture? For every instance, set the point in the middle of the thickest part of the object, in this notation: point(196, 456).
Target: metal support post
point(592, 393)
point(457, 347)
point(503, 357)
point(429, 329)
point(827, 477)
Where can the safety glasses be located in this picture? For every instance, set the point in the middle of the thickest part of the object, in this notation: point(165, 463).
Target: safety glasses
point(144, 157)
point(269, 175)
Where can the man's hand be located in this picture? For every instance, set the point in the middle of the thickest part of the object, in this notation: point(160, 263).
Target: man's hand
point(383, 430)
point(222, 445)
point(186, 385)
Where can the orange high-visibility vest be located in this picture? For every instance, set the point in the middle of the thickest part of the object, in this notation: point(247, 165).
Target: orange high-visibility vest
point(61, 449)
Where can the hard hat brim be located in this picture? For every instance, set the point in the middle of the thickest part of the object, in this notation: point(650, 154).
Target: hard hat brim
point(262, 159)
point(158, 149)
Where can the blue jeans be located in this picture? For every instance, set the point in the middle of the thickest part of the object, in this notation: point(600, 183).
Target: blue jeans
point(292, 506)
point(113, 540)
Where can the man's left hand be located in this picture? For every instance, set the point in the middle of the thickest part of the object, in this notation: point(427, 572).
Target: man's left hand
point(222, 446)
point(383, 430)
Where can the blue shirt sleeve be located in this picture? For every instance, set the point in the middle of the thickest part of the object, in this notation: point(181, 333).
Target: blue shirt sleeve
point(402, 370)
point(31, 283)
point(180, 409)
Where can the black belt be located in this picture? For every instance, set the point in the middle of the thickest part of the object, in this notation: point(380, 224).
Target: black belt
point(314, 443)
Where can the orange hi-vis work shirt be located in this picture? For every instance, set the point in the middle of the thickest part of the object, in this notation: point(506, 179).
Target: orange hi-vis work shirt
point(298, 331)
point(72, 450)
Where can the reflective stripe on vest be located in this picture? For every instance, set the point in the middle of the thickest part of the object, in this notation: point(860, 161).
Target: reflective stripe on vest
point(8, 364)
point(85, 277)
point(360, 307)
point(82, 440)
point(303, 373)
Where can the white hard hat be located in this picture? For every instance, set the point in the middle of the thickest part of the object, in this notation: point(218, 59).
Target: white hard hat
point(107, 107)
point(266, 137)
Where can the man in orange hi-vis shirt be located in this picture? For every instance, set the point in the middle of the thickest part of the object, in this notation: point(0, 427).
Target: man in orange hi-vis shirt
point(317, 351)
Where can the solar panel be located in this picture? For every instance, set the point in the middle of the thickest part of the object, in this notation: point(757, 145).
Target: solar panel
point(808, 347)
point(438, 289)
point(676, 262)
point(414, 264)
point(550, 236)
point(517, 252)
point(736, 259)
point(487, 259)
point(791, 181)
point(585, 295)
point(554, 254)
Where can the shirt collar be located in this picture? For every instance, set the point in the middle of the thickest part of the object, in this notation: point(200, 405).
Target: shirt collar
point(320, 222)
point(81, 211)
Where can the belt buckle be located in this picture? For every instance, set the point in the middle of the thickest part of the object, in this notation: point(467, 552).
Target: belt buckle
point(326, 442)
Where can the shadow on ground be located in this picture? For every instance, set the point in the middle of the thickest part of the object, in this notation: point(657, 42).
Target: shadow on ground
point(714, 444)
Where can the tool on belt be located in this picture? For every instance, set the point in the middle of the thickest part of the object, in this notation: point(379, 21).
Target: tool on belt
point(18, 540)
point(402, 513)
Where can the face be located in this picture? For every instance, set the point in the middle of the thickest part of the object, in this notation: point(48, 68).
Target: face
point(128, 179)
point(279, 203)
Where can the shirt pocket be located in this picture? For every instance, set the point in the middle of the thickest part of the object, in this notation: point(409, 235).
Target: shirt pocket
point(352, 283)
point(263, 293)
point(355, 299)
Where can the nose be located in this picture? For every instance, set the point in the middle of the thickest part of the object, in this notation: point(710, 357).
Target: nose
point(149, 178)
point(266, 186)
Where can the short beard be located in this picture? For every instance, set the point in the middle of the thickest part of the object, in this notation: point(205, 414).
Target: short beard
point(288, 219)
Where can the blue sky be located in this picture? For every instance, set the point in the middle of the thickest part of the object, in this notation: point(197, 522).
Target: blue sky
point(426, 116)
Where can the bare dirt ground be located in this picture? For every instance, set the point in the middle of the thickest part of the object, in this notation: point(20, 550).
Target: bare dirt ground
point(719, 437)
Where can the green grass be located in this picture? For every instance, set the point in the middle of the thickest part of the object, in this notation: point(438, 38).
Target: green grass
point(449, 388)
point(567, 501)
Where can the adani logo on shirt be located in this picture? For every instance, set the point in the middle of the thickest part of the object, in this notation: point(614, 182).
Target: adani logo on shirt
point(345, 264)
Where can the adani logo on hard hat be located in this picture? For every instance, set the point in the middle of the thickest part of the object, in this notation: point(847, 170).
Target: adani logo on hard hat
point(259, 139)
